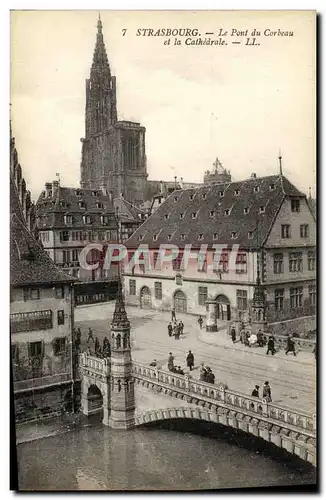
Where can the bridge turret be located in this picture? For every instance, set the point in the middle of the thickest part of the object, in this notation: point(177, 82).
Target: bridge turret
point(122, 394)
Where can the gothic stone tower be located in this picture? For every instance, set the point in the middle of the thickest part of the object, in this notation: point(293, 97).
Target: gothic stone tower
point(122, 394)
point(113, 152)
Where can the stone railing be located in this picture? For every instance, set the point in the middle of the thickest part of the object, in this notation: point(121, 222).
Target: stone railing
point(209, 395)
point(101, 366)
point(35, 383)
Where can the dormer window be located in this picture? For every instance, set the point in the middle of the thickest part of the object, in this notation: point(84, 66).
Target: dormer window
point(155, 237)
point(82, 204)
point(68, 219)
point(221, 194)
point(251, 235)
point(194, 215)
point(204, 196)
point(227, 211)
point(234, 235)
point(78, 193)
point(271, 187)
point(182, 215)
point(215, 236)
point(105, 220)
point(212, 213)
point(246, 210)
point(237, 192)
point(256, 189)
point(87, 219)
point(295, 205)
point(191, 197)
point(261, 210)
point(166, 216)
point(95, 193)
point(176, 198)
point(99, 205)
point(141, 237)
point(169, 236)
point(62, 203)
point(183, 236)
point(201, 236)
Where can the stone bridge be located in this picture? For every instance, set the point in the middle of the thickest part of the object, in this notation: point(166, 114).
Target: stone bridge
point(162, 395)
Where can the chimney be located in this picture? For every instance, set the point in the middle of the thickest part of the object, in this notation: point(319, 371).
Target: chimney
point(55, 186)
point(48, 189)
point(253, 176)
point(181, 182)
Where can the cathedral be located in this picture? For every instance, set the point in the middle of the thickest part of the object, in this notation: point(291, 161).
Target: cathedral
point(113, 151)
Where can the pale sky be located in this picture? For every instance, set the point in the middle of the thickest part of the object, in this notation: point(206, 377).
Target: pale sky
point(237, 102)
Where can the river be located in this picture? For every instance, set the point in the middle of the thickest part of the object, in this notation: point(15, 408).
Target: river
point(175, 456)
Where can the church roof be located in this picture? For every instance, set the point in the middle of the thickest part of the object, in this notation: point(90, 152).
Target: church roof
point(29, 263)
point(216, 214)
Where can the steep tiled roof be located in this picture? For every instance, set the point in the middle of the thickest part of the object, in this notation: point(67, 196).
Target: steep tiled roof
point(312, 204)
point(29, 263)
point(219, 214)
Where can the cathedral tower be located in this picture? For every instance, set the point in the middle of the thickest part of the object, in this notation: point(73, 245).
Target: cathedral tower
point(122, 394)
point(113, 152)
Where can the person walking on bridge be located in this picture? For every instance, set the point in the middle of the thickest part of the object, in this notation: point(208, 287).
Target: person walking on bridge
point(267, 393)
point(290, 346)
point(190, 360)
point(255, 392)
point(90, 335)
point(171, 362)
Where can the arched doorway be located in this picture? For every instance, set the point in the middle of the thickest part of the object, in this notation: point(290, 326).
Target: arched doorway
point(145, 298)
point(95, 400)
point(223, 308)
point(180, 302)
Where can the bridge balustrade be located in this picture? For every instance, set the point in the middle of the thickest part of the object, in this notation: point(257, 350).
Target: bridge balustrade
point(223, 395)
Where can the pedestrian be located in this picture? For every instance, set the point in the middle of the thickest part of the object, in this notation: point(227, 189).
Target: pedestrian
point(170, 362)
point(267, 393)
point(260, 338)
point(271, 345)
point(88, 351)
point(181, 372)
point(153, 363)
point(177, 332)
point(170, 329)
point(233, 335)
point(173, 316)
point(200, 322)
point(202, 373)
point(255, 392)
point(190, 360)
point(97, 345)
point(290, 346)
point(247, 337)
point(181, 325)
point(90, 335)
point(242, 336)
point(210, 377)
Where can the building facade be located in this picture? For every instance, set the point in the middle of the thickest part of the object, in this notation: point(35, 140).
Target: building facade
point(260, 224)
point(41, 323)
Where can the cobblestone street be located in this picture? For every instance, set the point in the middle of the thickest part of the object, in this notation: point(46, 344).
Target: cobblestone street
point(292, 379)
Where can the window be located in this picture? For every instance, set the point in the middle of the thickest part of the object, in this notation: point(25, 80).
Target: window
point(295, 262)
point(286, 231)
point(105, 220)
point(227, 212)
point(59, 345)
point(271, 187)
point(295, 205)
point(212, 213)
point(202, 295)
point(312, 295)
point(279, 300)
point(221, 194)
point(200, 236)
point(242, 301)
point(35, 349)
point(31, 321)
point(169, 236)
point(191, 197)
point(204, 196)
point(251, 235)
point(241, 263)
point(246, 210)
point(155, 237)
point(64, 235)
point(65, 256)
point(31, 294)
point(183, 236)
point(178, 279)
point(182, 215)
point(75, 255)
point(215, 236)
point(87, 219)
point(166, 216)
point(82, 204)
point(296, 297)
point(194, 215)
point(278, 263)
point(141, 237)
point(132, 287)
point(59, 292)
point(234, 235)
point(311, 260)
point(236, 192)
point(224, 263)
point(261, 210)
point(156, 265)
point(304, 231)
point(61, 317)
point(158, 290)
point(99, 205)
point(177, 262)
point(256, 189)
point(78, 193)
point(176, 198)
point(202, 263)
point(68, 219)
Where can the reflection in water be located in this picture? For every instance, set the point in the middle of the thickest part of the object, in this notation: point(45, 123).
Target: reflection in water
point(99, 458)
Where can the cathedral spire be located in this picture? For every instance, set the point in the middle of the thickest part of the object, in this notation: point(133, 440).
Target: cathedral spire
point(100, 58)
point(120, 319)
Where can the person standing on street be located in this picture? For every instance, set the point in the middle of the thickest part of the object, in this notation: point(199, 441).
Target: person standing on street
point(290, 346)
point(233, 335)
point(173, 316)
point(181, 325)
point(267, 393)
point(271, 345)
point(255, 392)
point(170, 329)
point(190, 360)
point(171, 362)
point(90, 335)
point(200, 322)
